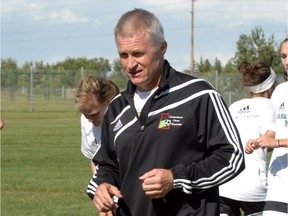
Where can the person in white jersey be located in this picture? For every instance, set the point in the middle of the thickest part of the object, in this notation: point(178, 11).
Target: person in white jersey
point(92, 98)
point(252, 117)
point(277, 138)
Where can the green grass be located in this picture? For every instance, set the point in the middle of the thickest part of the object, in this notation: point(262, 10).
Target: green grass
point(43, 171)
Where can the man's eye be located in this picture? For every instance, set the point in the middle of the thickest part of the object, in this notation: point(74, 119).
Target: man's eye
point(138, 54)
point(123, 55)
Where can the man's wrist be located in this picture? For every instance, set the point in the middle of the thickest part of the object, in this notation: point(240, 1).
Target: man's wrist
point(278, 143)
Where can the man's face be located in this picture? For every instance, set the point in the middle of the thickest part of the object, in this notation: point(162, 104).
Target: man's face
point(93, 111)
point(141, 60)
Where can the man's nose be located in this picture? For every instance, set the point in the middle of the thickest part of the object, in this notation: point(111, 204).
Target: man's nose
point(132, 63)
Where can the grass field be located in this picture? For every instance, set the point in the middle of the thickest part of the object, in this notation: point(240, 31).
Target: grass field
point(43, 171)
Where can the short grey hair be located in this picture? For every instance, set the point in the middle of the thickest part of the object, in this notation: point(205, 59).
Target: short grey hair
point(139, 19)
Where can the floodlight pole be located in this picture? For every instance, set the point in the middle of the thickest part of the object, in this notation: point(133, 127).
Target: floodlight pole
point(31, 88)
point(82, 72)
point(192, 39)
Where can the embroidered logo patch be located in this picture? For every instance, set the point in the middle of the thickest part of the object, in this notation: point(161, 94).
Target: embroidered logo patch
point(244, 110)
point(282, 116)
point(166, 121)
point(118, 125)
point(282, 107)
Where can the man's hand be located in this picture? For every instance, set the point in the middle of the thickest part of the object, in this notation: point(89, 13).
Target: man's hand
point(157, 183)
point(106, 213)
point(251, 145)
point(267, 141)
point(103, 200)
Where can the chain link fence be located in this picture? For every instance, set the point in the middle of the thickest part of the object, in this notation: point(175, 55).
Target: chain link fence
point(63, 84)
point(44, 83)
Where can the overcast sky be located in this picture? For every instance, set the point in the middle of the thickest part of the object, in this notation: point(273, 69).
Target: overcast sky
point(52, 30)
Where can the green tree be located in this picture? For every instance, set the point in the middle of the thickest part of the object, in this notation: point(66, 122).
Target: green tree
point(9, 75)
point(218, 65)
point(230, 67)
point(8, 64)
point(8, 72)
point(256, 47)
point(74, 68)
point(99, 66)
point(118, 75)
point(204, 66)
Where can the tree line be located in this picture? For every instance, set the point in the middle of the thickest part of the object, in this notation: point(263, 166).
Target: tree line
point(252, 48)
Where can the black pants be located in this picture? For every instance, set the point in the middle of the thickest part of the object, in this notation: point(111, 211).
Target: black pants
point(232, 207)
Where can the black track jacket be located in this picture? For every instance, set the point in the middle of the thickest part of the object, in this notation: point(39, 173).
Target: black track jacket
point(185, 126)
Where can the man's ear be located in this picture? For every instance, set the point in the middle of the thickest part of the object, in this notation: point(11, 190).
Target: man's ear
point(163, 47)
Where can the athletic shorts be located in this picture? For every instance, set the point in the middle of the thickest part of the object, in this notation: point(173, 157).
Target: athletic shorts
point(275, 208)
point(232, 207)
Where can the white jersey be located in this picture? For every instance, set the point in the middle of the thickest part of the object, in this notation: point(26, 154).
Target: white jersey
point(278, 168)
point(252, 117)
point(90, 138)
